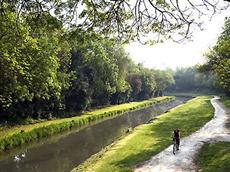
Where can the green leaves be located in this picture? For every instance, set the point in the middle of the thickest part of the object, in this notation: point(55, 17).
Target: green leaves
point(164, 79)
point(47, 67)
point(29, 61)
point(218, 59)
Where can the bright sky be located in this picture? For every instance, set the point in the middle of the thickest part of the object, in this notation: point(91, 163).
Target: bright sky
point(172, 55)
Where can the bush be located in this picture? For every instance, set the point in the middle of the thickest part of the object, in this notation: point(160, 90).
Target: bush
point(45, 131)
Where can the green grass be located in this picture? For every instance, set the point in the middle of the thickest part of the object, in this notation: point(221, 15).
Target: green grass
point(191, 94)
point(214, 157)
point(149, 139)
point(226, 101)
point(18, 135)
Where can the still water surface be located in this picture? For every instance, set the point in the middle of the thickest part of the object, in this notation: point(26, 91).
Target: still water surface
point(64, 152)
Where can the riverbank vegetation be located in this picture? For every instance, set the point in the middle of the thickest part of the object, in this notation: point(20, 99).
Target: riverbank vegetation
point(190, 80)
point(211, 77)
point(149, 139)
point(20, 134)
point(49, 68)
point(59, 59)
point(226, 101)
point(48, 71)
point(214, 157)
point(218, 61)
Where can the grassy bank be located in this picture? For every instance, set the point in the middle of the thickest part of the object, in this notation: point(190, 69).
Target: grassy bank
point(226, 101)
point(214, 157)
point(18, 135)
point(149, 139)
point(191, 94)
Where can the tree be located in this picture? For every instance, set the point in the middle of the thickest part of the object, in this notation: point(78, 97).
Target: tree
point(148, 86)
point(223, 74)
point(125, 66)
point(189, 79)
point(218, 59)
point(29, 64)
point(123, 19)
point(93, 60)
point(164, 79)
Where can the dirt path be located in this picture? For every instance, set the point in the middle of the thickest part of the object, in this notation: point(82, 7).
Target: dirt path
point(214, 130)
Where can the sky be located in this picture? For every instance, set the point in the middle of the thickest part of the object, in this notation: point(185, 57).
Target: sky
point(172, 55)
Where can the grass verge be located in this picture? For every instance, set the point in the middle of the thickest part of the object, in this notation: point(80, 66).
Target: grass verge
point(226, 101)
point(18, 135)
point(214, 157)
point(149, 139)
point(191, 94)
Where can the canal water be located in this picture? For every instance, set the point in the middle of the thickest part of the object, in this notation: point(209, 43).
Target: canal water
point(65, 151)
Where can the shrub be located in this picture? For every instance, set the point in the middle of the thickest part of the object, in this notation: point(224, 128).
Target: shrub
point(45, 131)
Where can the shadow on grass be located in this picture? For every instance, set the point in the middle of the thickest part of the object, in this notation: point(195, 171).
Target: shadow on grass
point(188, 121)
point(150, 139)
point(132, 160)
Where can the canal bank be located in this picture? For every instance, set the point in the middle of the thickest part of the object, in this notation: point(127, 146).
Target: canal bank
point(13, 136)
point(149, 139)
point(63, 153)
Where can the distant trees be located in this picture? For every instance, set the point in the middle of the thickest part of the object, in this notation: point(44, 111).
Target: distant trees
point(142, 82)
point(148, 86)
point(96, 73)
point(105, 75)
point(49, 67)
point(46, 70)
point(190, 79)
point(164, 80)
point(218, 59)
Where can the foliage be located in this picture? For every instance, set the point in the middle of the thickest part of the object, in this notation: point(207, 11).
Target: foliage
point(226, 101)
point(18, 135)
point(190, 80)
point(164, 79)
point(47, 69)
point(123, 19)
point(214, 157)
point(149, 139)
point(148, 81)
point(105, 72)
point(96, 73)
point(218, 59)
point(29, 64)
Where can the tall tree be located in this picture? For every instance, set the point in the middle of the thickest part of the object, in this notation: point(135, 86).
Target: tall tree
point(218, 58)
point(164, 79)
point(29, 62)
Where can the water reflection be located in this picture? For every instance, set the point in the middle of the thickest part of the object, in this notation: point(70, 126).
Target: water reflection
point(61, 154)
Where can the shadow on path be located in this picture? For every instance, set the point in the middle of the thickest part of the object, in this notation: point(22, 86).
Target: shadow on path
point(214, 130)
